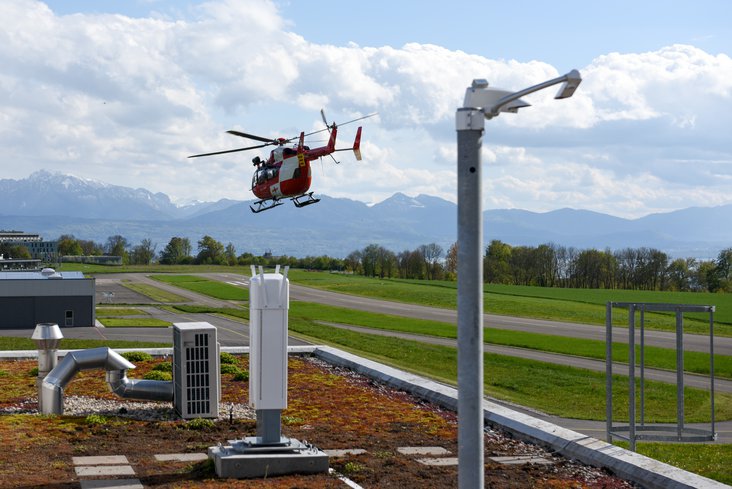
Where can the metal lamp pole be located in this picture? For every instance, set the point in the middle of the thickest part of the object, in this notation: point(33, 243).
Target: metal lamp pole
point(481, 102)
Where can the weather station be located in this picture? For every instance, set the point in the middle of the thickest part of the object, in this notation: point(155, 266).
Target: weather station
point(268, 453)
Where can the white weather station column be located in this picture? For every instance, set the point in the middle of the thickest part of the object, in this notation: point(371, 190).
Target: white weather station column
point(269, 453)
point(268, 304)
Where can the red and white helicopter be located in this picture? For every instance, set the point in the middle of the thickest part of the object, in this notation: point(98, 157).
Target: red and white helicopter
point(286, 173)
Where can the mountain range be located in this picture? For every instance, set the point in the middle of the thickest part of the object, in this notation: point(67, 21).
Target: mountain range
point(52, 204)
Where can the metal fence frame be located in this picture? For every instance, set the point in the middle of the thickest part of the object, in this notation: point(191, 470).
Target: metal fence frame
point(634, 431)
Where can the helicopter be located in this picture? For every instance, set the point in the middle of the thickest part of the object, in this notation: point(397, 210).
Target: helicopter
point(286, 173)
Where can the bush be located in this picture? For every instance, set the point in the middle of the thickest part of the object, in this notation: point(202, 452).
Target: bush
point(33, 372)
point(158, 375)
point(227, 358)
point(164, 367)
point(241, 375)
point(97, 419)
point(137, 356)
point(4, 373)
point(227, 368)
point(200, 424)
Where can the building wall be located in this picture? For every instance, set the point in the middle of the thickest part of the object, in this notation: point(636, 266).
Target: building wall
point(26, 312)
point(27, 302)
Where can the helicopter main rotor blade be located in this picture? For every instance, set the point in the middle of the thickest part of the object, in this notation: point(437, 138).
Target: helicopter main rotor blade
point(328, 128)
point(230, 150)
point(252, 136)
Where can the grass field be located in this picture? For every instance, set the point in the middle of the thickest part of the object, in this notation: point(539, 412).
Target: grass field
point(574, 305)
point(130, 322)
point(118, 311)
point(555, 389)
point(14, 344)
point(655, 357)
point(712, 461)
point(155, 293)
point(205, 286)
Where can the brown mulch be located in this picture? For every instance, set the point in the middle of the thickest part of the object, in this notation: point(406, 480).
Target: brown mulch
point(329, 407)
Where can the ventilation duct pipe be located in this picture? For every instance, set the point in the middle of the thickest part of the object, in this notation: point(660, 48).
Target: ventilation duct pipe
point(149, 390)
point(115, 365)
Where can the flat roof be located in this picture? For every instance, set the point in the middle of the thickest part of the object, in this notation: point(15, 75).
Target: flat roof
point(38, 275)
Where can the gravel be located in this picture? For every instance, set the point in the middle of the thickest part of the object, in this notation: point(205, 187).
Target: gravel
point(144, 411)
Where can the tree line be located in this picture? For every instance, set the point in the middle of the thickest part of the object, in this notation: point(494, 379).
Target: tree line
point(551, 265)
point(546, 265)
point(180, 251)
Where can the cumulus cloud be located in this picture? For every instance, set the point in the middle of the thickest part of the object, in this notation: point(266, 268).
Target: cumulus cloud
point(125, 100)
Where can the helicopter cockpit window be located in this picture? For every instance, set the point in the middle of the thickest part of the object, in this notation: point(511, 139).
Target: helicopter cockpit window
point(260, 176)
point(287, 152)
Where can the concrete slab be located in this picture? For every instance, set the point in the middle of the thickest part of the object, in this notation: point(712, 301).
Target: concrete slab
point(345, 453)
point(112, 484)
point(232, 464)
point(181, 457)
point(435, 451)
point(103, 470)
point(522, 459)
point(101, 460)
point(439, 462)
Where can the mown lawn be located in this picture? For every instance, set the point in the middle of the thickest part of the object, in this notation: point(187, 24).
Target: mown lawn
point(574, 305)
point(212, 288)
point(696, 362)
point(554, 389)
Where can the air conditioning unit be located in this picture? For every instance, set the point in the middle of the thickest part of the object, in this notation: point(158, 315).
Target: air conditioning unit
point(196, 384)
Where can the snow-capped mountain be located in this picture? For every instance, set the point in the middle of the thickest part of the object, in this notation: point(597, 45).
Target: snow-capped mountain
point(54, 194)
point(53, 204)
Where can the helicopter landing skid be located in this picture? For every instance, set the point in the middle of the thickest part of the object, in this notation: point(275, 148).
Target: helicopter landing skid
point(262, 205)
point(309, 200)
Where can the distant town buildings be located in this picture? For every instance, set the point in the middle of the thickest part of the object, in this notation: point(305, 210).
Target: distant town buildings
point(40, 250)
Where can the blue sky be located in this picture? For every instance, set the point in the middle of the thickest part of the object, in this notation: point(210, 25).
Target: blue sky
point(123, 91)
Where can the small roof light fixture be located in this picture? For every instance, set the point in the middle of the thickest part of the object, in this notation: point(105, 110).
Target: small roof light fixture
point(493, 101)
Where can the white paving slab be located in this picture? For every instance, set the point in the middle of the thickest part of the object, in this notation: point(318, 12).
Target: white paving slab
point(435, 451)
point(101, 460)
point(103, 470)
point(181, 457)
point(345, 452)
point(522, 459)
point(441, 462)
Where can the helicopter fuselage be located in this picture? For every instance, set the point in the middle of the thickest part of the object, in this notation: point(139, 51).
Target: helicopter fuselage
point(285, 174)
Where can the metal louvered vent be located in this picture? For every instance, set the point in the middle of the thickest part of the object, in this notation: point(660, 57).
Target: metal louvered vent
point(195, 370)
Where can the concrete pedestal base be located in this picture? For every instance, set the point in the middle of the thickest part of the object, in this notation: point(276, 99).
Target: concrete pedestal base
point(244, 459)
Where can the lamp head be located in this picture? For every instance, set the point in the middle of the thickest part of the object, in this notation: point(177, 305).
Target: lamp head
point(480, 95)
point(568, 87)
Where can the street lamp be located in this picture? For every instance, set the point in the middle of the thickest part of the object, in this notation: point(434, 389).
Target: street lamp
point(481, 102)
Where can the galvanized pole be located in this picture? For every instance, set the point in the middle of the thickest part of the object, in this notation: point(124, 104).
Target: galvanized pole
point(631, 376)
point(470, 123)
point(609, 371)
